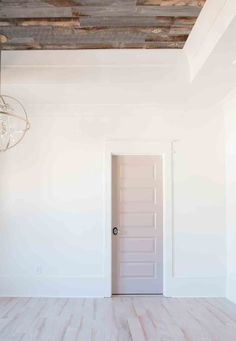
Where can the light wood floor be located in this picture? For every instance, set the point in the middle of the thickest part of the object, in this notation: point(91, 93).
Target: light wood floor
point(120, 318)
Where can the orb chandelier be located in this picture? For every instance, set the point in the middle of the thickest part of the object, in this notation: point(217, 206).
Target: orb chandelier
point(14, 121)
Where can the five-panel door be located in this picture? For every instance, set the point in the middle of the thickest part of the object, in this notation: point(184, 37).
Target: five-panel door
point(137, 219)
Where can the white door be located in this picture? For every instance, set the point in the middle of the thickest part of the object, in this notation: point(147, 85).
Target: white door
point(137, 240)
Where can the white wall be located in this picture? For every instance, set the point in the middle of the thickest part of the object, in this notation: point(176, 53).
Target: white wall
point(51, 197)
point(230, 120)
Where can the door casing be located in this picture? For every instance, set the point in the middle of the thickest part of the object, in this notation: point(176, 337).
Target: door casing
point(148, 148)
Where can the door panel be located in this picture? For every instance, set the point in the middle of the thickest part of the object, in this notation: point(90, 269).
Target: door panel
point(137, 213)
point(136, 245)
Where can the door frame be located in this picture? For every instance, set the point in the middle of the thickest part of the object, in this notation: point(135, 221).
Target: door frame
point(145, 148)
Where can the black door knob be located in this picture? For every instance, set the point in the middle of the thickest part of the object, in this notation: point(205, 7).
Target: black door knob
point(115, 231)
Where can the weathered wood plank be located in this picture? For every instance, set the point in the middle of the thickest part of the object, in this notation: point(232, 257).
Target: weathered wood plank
point(88, 21)
point(97, 22)
point(72, 3)
point(122, 3)
point(152, 11)
point(167, 38)
point(3, 39)
point(28, 22)
point(175, 11)
point(99, 11)
point(31, 12)
point(61, 34)
point(87, 46)
point(20, 27)
point(195, 3)
point(57, 3)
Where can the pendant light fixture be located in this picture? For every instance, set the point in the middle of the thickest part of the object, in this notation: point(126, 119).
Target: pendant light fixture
point(14, 121)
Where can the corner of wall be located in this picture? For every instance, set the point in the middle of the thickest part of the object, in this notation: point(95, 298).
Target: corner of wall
point(229, 105)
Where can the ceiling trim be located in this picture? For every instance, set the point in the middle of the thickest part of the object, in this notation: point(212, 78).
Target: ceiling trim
point(215, 18)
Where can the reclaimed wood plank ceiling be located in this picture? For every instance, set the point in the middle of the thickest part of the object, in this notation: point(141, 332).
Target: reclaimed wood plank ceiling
point(96, 24)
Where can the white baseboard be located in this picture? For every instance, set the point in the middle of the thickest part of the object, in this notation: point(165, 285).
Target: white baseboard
point(196, 287)
point(231, 288)
point(20, 286)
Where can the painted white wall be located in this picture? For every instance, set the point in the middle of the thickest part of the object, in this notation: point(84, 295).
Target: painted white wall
point(52, 189)
point(230, 124)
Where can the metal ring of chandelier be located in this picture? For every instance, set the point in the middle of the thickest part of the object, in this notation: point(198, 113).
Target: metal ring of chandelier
point(14, 122)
